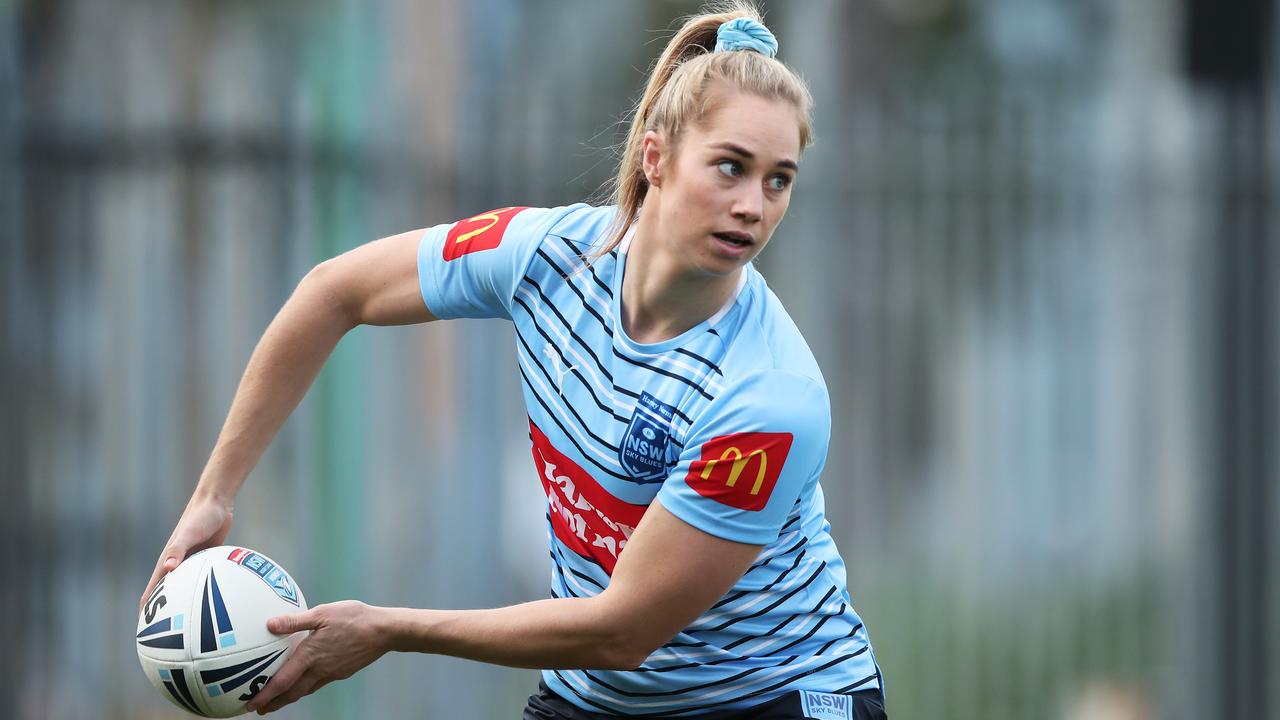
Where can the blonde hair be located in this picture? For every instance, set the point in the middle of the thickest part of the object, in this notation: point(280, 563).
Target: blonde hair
point(678, 94)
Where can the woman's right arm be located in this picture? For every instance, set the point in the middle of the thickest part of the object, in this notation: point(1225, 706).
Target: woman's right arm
point(374, 284)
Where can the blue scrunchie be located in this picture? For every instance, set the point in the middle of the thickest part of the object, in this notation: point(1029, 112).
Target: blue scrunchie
point(746, 34)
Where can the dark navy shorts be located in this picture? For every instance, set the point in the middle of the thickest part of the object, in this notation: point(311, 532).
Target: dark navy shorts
point(862, 705)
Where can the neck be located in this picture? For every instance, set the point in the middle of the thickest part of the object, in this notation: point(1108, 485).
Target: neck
point(662, 295)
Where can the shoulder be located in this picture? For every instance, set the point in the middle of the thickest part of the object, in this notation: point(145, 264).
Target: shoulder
point(566, 241)
point(583, 225)
point(538, 223)
point(782, 409)
point(779, 392)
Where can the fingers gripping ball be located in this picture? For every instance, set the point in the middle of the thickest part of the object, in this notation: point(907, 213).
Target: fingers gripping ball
point(202, 633)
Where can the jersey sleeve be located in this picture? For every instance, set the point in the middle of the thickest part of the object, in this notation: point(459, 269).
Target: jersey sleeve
point(471, 268)
point(750, 456)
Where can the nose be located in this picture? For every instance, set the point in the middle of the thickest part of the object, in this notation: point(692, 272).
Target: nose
point(748, 204)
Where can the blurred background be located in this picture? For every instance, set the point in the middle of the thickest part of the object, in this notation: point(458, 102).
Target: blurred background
point(1034, 251)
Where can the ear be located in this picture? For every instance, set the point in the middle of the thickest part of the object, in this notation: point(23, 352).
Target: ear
point(653, 150)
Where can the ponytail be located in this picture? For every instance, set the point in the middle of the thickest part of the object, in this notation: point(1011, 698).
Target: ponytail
point(676, 93)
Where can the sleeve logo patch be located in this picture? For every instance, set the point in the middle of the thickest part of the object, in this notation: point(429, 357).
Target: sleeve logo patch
point(482, 232)
point(740, 470)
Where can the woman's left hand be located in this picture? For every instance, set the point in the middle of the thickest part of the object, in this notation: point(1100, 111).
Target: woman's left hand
point(345, 636)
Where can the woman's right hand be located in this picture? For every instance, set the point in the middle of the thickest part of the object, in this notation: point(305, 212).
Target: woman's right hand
point(204, 524)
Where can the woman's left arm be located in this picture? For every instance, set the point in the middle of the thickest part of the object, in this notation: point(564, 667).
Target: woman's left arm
point(668, 575)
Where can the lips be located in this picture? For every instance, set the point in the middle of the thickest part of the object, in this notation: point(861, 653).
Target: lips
point(738, 239)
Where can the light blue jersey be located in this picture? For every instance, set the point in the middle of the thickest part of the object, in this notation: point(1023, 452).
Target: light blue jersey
point(727, 425)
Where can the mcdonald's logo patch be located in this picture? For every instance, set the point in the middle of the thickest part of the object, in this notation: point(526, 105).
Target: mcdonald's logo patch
point(740, 470)
point(482, 232)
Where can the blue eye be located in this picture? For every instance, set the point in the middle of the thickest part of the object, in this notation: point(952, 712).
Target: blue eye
point(779, 182)
point(730, 168)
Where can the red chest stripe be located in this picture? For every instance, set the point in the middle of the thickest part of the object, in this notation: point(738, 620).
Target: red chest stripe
point(584, 516)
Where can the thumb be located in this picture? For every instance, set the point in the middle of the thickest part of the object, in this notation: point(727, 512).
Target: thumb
point(289, 624)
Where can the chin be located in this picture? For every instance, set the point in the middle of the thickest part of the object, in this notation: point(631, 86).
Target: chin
point(721, 267)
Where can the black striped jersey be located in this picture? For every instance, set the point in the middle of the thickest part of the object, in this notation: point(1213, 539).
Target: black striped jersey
point(727, 425)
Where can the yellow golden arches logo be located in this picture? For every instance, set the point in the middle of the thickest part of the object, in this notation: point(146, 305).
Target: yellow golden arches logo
point(710, 478)
point(479, 232)
point(739, 464)
point(493, 217)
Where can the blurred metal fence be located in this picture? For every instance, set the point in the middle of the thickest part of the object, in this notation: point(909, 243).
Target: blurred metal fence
point(1045, 310)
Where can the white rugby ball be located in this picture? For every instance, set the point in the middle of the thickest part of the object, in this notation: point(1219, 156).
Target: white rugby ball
point(202, 634)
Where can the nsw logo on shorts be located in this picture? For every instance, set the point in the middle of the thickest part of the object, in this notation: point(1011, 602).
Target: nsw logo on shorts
point(643, 450)
point(826, 706)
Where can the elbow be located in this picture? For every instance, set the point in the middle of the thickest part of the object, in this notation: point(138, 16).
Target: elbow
point(322, 284)
point(618, 657)
point(625, 651)
point(625, 637)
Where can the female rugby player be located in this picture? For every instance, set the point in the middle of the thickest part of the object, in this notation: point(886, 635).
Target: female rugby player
point(678, 421)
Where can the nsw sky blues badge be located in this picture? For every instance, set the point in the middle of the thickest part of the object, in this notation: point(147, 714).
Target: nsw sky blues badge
point(643, 450)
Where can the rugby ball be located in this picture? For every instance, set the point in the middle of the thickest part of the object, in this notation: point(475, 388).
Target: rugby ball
point(202, 633)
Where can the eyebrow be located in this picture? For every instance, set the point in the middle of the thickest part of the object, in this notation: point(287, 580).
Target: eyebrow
point(784, 163)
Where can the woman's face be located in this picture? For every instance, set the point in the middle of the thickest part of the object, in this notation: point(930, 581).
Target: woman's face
point(728, 183)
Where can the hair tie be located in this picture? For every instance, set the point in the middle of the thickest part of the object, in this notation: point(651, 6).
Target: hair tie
point(746, 34)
